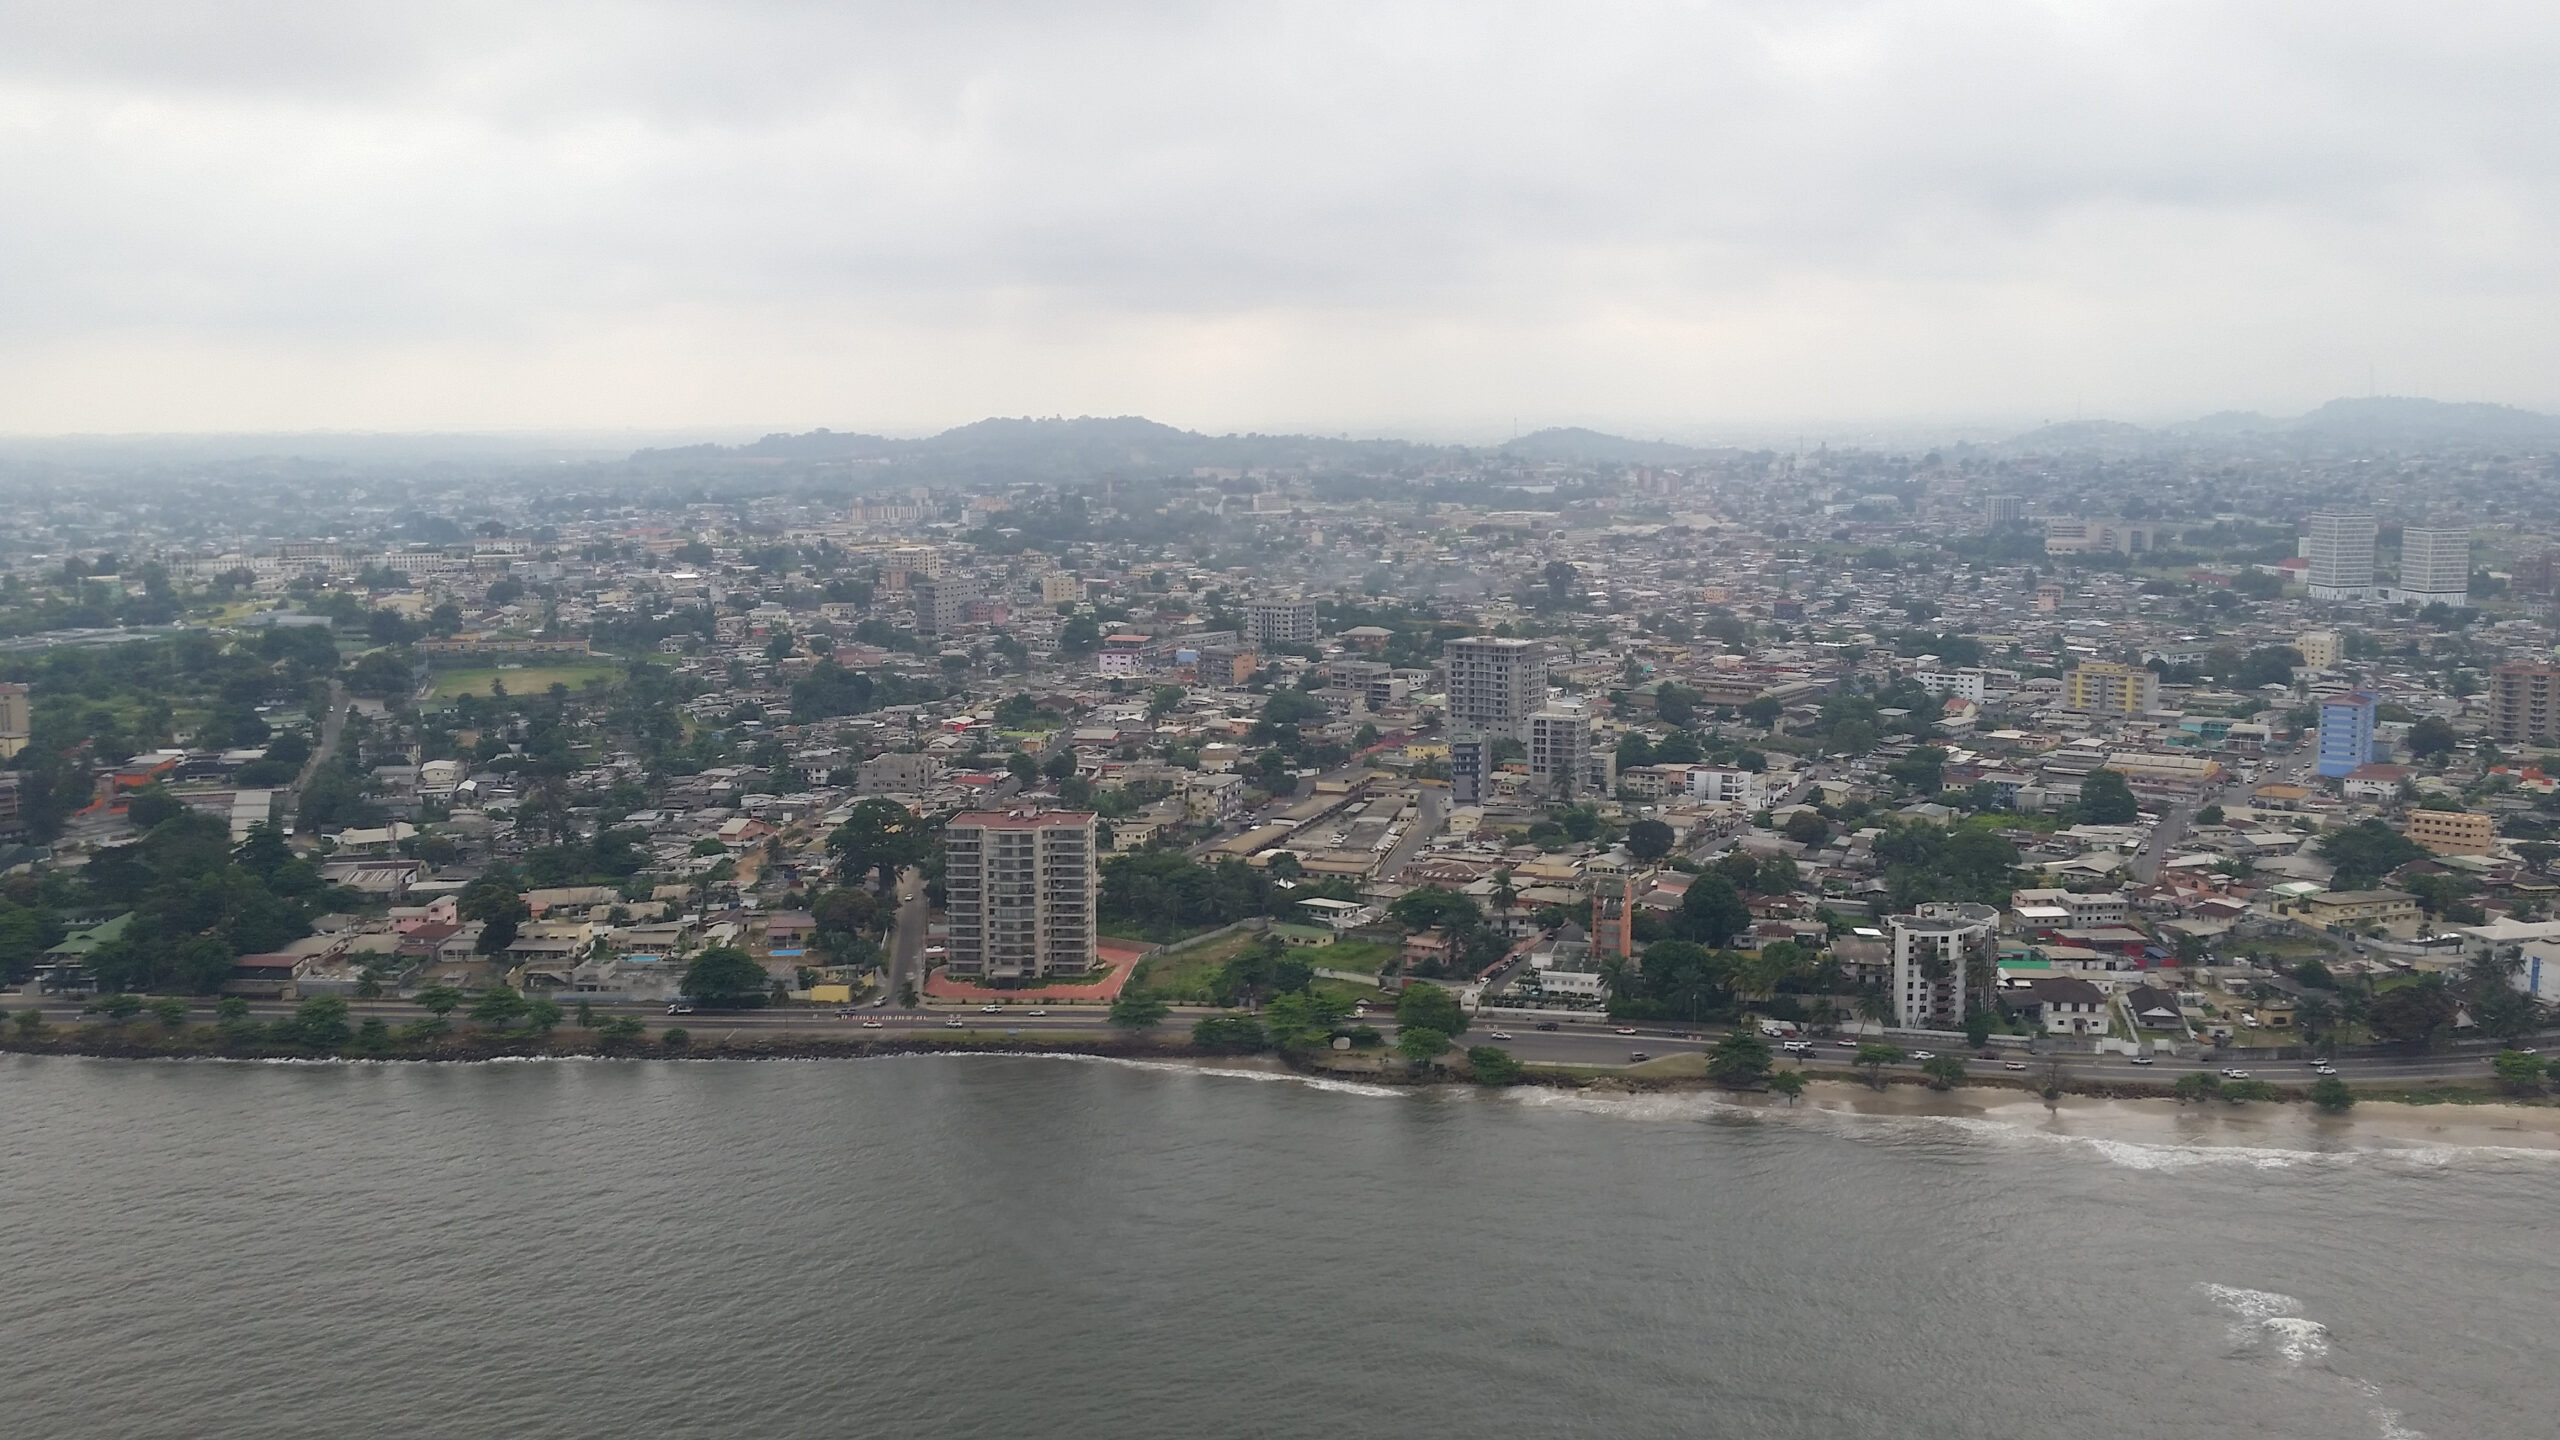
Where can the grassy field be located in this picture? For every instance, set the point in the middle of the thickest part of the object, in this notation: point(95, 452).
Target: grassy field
point(533, 679)
point(1184, 975)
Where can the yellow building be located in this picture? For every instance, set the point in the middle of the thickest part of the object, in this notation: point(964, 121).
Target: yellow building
point(2103, 687)
point(15, 722)
point(2321, 649)
point(2449, 832)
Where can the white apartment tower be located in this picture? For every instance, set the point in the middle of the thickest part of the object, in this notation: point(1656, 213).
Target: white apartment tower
point(1022, 888)
point(1495, 684)
point(1931, 947)
point(2340, 549)
point(2435, 565)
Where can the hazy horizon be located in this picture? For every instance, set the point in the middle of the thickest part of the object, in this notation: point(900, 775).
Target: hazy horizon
point(1410, 219)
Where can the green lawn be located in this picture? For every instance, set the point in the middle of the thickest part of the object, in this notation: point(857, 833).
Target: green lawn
point(533, 679)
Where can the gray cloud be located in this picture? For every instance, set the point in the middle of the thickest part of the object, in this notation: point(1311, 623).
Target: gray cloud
point(1673, 215)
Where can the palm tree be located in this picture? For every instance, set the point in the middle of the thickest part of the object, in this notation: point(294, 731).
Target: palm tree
point(1505, 895)
point(1874, 1005)
point(1617, 976)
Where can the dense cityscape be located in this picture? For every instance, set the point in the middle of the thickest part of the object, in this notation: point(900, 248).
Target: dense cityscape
point(2099, 747)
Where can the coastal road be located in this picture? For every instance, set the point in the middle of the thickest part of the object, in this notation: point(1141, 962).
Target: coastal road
point(1589, 1042)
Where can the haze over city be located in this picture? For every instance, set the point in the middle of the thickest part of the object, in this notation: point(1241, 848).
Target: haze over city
point(1450, 222)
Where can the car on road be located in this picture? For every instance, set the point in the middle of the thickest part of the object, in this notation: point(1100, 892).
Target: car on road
point(1498, 1034)
point(2013, 1065)
point(2324, 1070)
point(2141, 1059)
point(990, 1009)
point(847, 1013)
point(2235, 1074)
point(953, 1025)
point(1546, 1024)
point(1035, 1012)
point(1846, 1044)
point(679, 1008)
point(873, 1025)
point(1924, 1054)
point(1637, 1055)
point(1626, 1029)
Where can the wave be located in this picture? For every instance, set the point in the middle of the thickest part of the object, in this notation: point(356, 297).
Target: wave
point(2264, 1322)
point(1286, 1077)
point(2161, 1156)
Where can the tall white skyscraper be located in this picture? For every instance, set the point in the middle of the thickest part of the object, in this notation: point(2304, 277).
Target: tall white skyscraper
point(2435, 564)
point(2340, 549)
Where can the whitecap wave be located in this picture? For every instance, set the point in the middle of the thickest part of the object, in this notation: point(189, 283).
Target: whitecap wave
point(2264, 1322)
point(1286, 1077)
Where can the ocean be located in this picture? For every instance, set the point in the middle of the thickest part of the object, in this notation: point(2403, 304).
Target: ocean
point(1007, 1246)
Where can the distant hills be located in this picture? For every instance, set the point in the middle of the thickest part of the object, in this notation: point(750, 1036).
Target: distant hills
point(1065, 449)
point(2389, 422)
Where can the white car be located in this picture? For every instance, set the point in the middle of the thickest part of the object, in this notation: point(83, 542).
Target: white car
point(1035, 1012)
point(990, 1009)
point(2141, 1059)
point(1498, 1035)
point(2235, 1074)
point(873, 1025)
point(2325, 1070)
point(1924, 1054)
point(953, 1025)
point(2014, 1065)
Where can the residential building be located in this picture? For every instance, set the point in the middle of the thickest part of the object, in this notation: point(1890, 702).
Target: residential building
point(1470, 768)
point(942, 602)
point(1281, 622)
point(2339, 546)
point(2435, 565)
point(2524, 704)
point(1933, 947)
point(1725, 785)
point(2450, 832)
point(2346, 733)
point(2006, 510)
point(1022, 889)
point(2103, 687)
point(896, 772)
point(1560, 747)
point(15, 725)
point(1059, 587)
point(2360, 908)
point(1495, 683)
point(2321, 649)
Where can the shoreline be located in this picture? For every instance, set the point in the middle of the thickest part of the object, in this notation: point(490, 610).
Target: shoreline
point(2144, 1132)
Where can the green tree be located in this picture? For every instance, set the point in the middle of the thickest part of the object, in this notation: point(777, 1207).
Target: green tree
point(1133, 1011)
point(500, 911)
point(2105, 799)
point(1711, 913)
point(373, 1036)
point(1421, 1043)
point(1234, 1034)
point(1649, 839)
point(29, 1023)
point(881, 837)
point(1302, 1020)
point(1977, 1029)
point(2197, 1085)
point(1789, 1083)
point(2414, 1013)
point(1873, 1057)
point(727, 976)
point(2331, 1094)
point(169, 1010)
point(230, 1010)
point(1945, 1072)
point(675, 1037)
point(543, 1015)
point(440, 1000)
point(2517, 1072)
point(1740, 1060)
point(2365, 852)
point(1493, 1065)
point(586, 1015)
point(2239, 1092)
point(119, 1007)
point(320, 1021)
point(498, 1007)
point(1432, 1008)
point(620, 1033)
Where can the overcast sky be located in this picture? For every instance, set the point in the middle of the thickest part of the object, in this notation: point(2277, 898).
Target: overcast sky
point(1380, 216)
